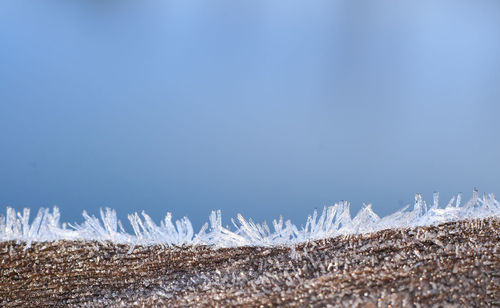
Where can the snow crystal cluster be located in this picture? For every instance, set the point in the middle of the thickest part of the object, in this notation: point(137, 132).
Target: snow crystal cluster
point(334, 220)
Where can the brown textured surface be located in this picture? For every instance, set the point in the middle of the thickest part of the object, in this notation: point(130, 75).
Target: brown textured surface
point(455, 264)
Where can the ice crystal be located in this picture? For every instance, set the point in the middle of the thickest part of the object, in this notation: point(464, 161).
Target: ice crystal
point(334, 220)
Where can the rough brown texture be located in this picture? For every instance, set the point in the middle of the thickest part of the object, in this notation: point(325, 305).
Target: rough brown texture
point(454, 264)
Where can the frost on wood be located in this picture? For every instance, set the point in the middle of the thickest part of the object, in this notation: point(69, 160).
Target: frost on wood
point(334, 220)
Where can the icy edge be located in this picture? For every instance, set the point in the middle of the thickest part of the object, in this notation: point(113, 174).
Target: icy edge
point(334, 220)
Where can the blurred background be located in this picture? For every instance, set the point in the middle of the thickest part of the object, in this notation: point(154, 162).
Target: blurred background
point(254, 107)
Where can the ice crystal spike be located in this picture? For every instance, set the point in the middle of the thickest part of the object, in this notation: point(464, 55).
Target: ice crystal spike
point(334, 220)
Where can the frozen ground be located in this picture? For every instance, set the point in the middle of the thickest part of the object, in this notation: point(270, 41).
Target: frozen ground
point(430, 255)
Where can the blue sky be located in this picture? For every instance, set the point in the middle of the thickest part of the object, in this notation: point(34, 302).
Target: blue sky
point(258, 107)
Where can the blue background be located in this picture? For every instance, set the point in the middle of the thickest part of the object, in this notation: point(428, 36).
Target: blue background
point(258, 107)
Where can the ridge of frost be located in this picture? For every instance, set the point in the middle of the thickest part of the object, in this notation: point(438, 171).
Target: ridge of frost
point(333, 221)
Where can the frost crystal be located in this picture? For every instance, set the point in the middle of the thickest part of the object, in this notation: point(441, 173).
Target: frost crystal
point(334, 220)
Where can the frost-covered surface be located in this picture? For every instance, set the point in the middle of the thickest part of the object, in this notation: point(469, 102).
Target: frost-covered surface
point(333, 221)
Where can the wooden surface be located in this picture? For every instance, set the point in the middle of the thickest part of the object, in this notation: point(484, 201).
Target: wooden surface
point(452, 265)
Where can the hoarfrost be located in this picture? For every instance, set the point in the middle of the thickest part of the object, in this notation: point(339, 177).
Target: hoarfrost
point(334, 220)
